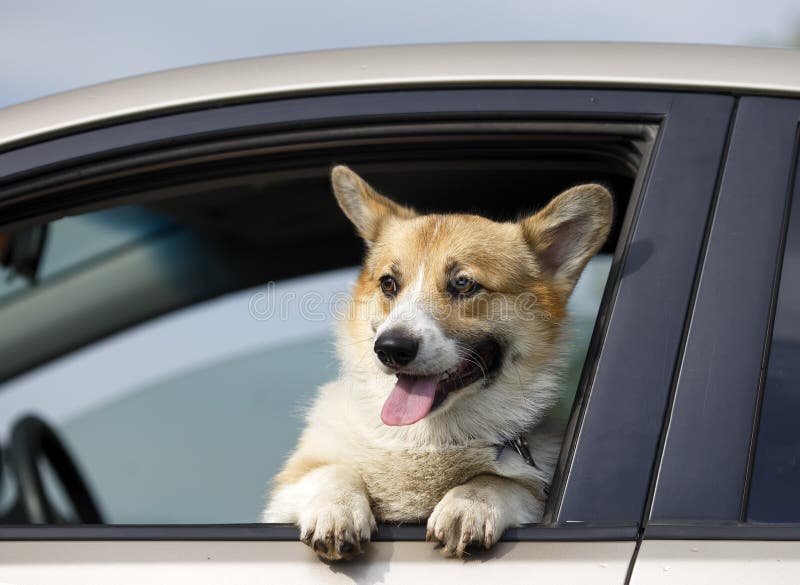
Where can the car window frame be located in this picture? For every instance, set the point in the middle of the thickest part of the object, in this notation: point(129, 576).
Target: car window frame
point(593, 499)
point(762, 158)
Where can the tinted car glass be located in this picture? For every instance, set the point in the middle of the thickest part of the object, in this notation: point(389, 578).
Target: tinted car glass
point(776, 472)
point(74, 241)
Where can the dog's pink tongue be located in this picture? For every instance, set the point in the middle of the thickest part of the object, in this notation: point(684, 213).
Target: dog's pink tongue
point(411, 399)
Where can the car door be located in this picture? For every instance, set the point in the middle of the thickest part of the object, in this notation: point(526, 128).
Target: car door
point(598, 498)
point(724, 507)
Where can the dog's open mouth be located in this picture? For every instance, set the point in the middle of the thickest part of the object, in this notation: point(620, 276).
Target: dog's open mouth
point(413, 397)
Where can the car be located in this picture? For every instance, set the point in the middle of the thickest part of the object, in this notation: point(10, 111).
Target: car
point(174, 263)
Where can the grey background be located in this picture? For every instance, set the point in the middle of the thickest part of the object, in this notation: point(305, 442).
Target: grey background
point(47, 46)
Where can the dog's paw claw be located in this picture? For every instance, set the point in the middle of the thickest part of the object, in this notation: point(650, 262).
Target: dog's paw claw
point(460, 522)
point(337, 531)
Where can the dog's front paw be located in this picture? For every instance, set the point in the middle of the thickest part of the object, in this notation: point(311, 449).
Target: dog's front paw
point(338, 530)
point(465, 517)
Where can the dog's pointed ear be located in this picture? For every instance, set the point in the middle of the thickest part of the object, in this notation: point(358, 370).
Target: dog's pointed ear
point(362, 205)
point(569, 231)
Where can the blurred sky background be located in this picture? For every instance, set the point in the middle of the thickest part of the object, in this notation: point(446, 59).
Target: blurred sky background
point(47, 46)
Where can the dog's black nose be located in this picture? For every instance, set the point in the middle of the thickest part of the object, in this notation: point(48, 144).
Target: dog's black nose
point(396, 349)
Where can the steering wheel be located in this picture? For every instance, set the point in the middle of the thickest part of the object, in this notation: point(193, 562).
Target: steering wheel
point(31, 439)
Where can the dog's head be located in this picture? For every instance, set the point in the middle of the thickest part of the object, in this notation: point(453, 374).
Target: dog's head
point(461, 312)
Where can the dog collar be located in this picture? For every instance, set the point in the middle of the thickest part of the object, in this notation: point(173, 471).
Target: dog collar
point(520, 445)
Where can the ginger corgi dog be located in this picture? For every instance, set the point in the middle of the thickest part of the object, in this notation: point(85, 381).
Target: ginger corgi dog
point(450, 363)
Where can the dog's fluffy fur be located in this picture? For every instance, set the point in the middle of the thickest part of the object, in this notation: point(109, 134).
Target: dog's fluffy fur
point(350, 468)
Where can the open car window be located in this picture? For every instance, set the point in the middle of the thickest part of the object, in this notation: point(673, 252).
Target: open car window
point(175, 345)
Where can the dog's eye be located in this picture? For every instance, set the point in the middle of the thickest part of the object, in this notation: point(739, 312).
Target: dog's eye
point(463, 285)
point(389, 286)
